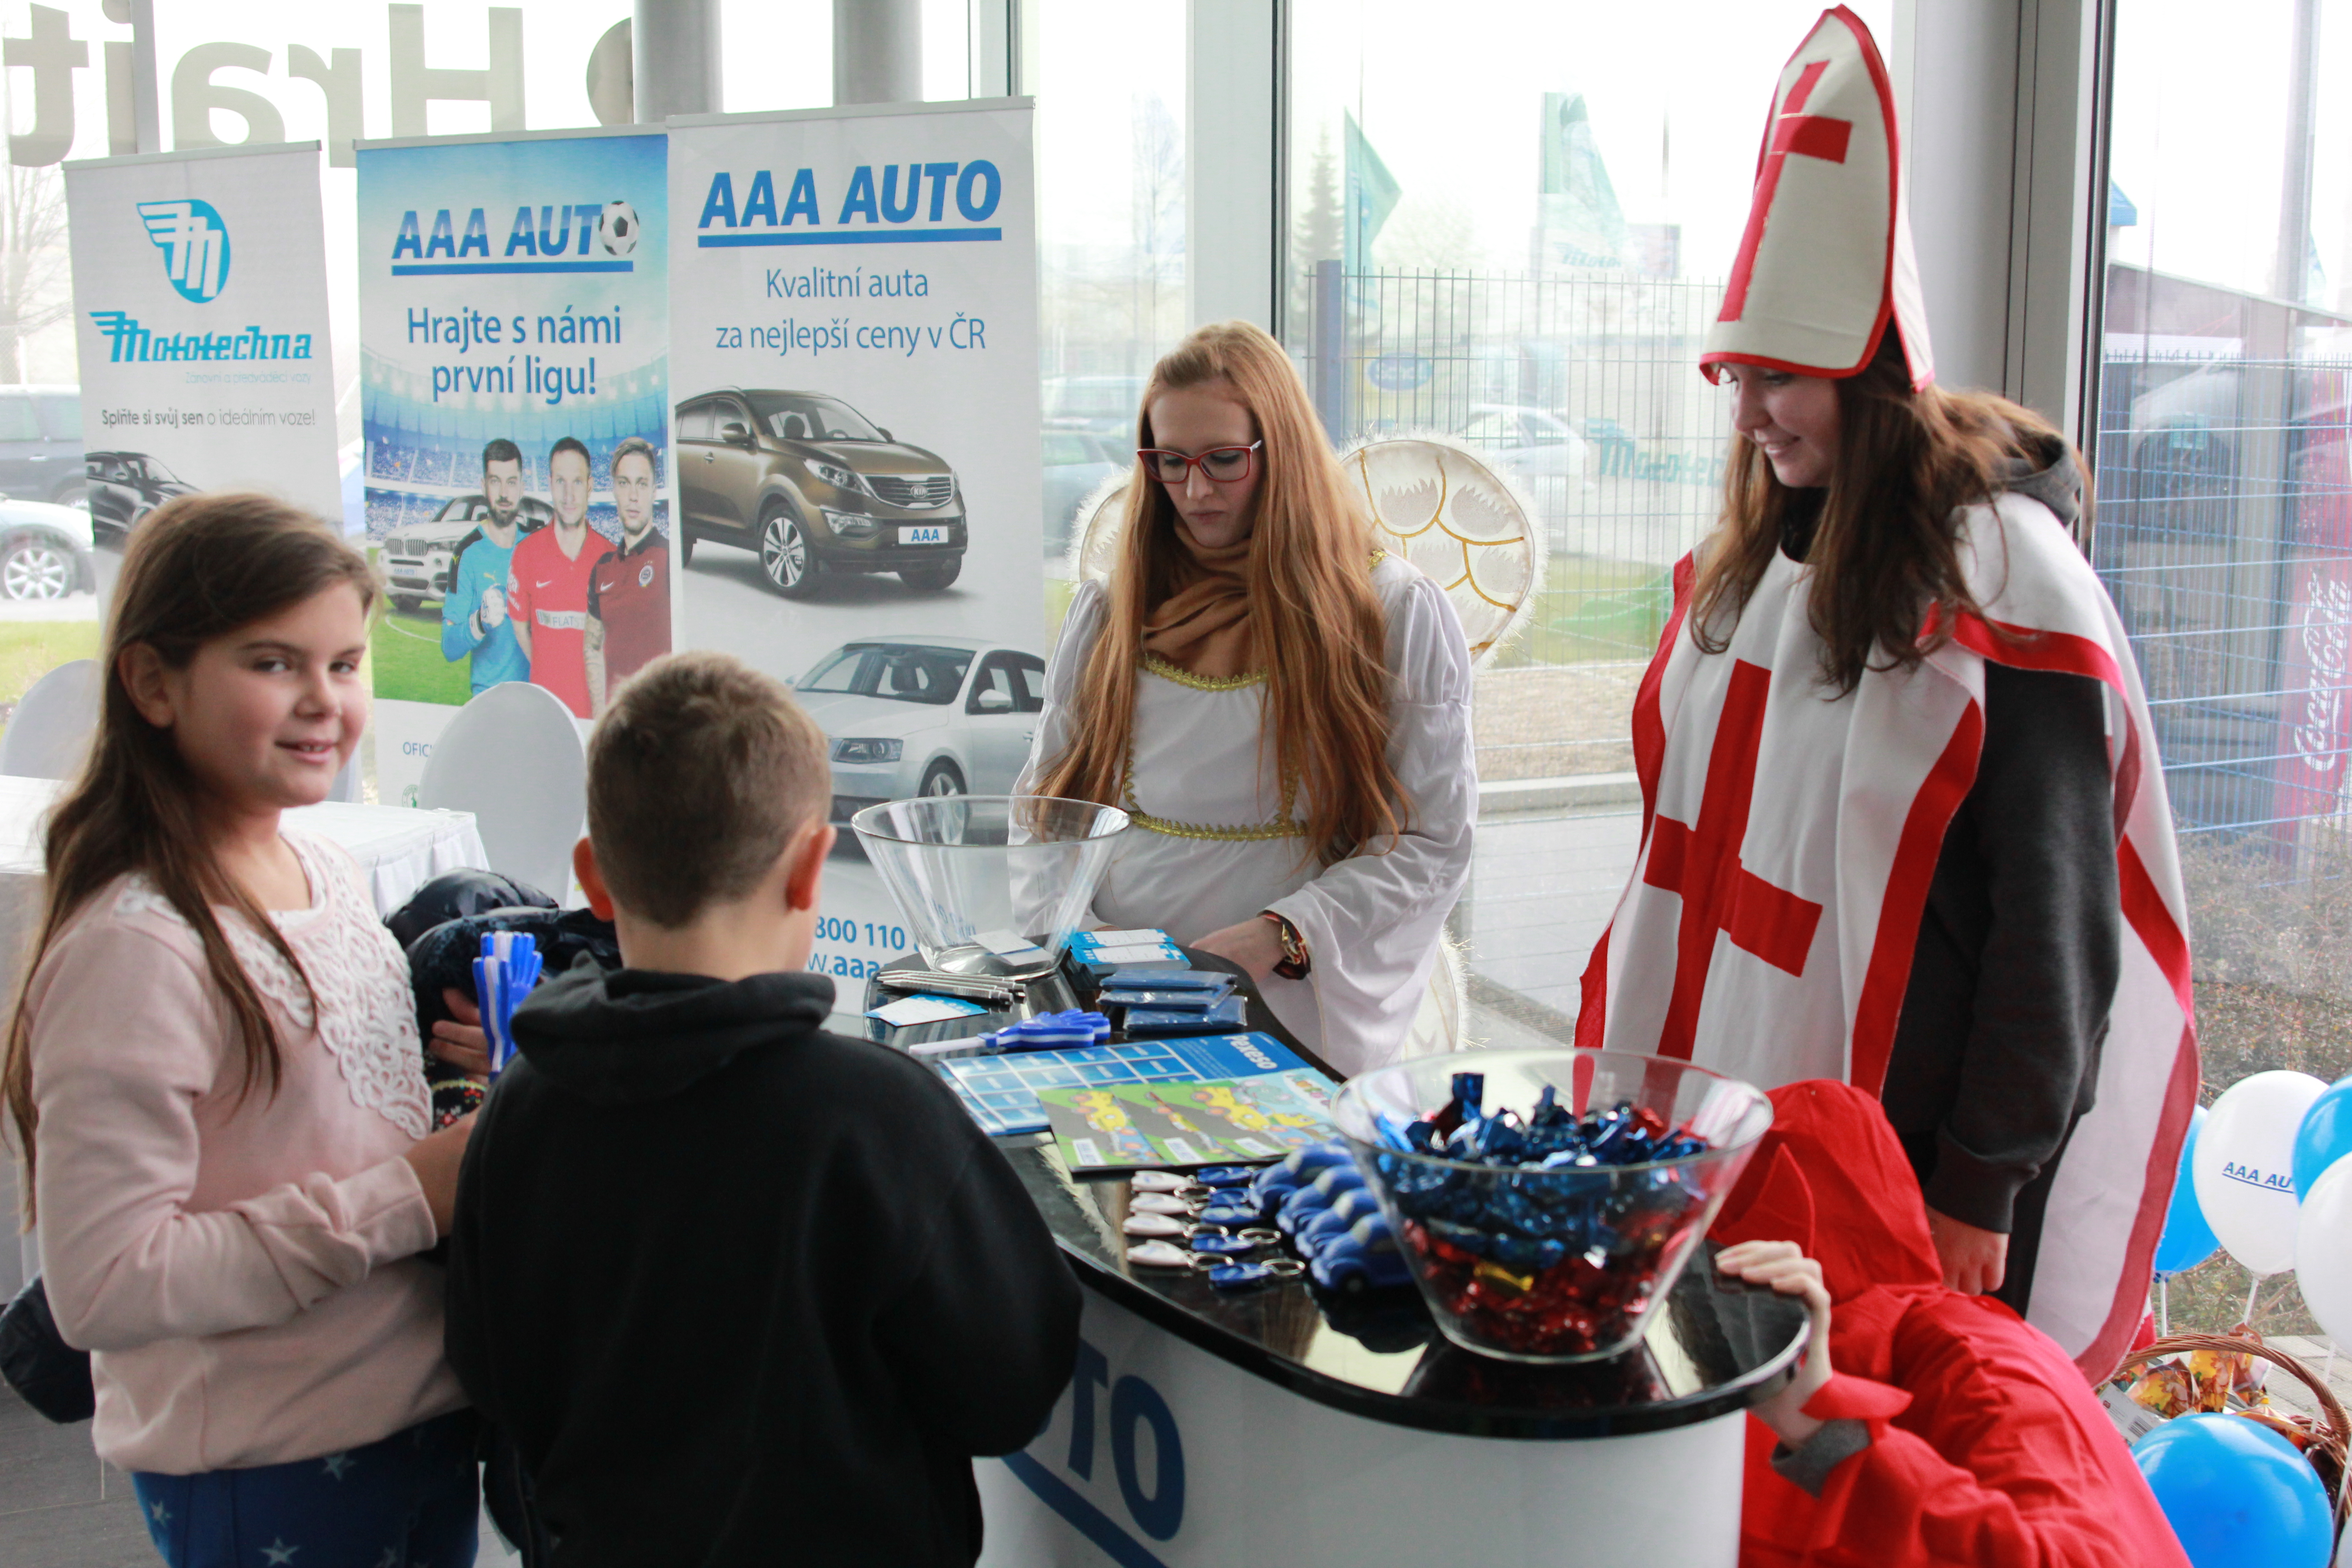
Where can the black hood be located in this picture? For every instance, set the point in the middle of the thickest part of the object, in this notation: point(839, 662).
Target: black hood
point(633, 1035)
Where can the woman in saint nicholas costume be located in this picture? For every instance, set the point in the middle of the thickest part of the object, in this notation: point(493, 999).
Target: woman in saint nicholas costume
point(1284, 710)
point(1903, 819)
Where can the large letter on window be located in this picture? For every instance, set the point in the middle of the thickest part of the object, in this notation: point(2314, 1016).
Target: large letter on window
point(414, 84)
point(194, 97)
point(53, 54)
point(346, 99)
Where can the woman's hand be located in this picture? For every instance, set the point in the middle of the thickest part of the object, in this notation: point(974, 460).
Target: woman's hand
point(1256, 944)
point(459, 1039)
point(1784, 1266)
point(1975, 1261)
point(435, 1159)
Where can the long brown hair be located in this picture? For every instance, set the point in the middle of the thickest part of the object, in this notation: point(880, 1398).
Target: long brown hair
point(198, 568)
point(1321, 634)
point(1886, 546)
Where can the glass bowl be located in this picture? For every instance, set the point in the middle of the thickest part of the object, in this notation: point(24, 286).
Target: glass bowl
point(973, 872)
point(1561, 1265)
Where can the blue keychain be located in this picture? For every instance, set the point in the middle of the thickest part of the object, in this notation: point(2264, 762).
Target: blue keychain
point(1225, 1175)
point(1228, 1217)
point(1215, 1245)
point(1250, 1276)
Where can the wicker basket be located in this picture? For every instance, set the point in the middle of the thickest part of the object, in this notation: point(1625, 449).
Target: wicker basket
point(2334, 1430)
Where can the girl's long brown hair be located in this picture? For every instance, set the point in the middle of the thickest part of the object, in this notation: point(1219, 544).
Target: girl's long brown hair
point(1885, 547)
point(1320, 634)
point(198, 568)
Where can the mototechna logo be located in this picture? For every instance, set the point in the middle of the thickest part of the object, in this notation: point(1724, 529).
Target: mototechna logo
point(607, 233)
point(195, 243)
point(128, 342)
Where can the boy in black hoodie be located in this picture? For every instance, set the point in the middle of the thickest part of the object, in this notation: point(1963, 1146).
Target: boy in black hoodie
point(741, 1290)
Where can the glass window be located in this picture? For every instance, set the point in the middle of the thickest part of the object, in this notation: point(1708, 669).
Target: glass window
point(60, 416)
point(1515, 232)
point(2223, 467)
point(694, 422)
point(16, 421)
point(902, 672)
point(799, 416)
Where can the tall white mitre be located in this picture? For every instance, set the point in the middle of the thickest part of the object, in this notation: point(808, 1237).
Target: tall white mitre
point(1826, 260)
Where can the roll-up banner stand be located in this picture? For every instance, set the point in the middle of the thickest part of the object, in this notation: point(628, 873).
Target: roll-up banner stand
point(514, 337)
point(200, 316)
point(859, 453)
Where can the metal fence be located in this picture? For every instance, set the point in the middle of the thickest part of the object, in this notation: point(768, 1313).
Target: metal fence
point(2224, 520)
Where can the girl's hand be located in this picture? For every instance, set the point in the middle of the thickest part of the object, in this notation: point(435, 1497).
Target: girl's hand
point(1975, 1261)
point(459, 1040)
point(1254, 944)
point(1784, 1266)
point(435, 1159)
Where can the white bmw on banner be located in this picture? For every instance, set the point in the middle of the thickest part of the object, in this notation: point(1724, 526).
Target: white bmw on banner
point(853, 371)
point(200, 314)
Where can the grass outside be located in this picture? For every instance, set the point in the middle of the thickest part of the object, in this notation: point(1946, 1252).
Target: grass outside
point(31, 649)
point(1592, 609)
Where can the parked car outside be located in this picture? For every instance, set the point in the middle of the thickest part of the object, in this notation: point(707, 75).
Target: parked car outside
point(812, 486)
point(44, 550)
point(905, 716)
point(1536, 442)
point(1075, 465)
point(124, 487)
point(417, 560)
point(41, 444)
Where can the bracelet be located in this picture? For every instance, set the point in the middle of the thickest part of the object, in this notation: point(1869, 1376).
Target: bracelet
point(1296, 963)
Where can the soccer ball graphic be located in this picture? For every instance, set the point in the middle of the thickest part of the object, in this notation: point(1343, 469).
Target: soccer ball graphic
point(618, 228)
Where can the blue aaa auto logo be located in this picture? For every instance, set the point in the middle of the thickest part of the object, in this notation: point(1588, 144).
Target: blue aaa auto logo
point(195, 243)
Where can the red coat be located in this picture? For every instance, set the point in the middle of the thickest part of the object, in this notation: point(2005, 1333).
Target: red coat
point(1986, 1447)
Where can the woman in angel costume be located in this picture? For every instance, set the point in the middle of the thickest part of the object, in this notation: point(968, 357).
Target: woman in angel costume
point(1284, 710)
point(1903, 819)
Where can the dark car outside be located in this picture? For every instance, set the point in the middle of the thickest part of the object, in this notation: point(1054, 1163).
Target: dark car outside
point(125, 486)
point(810, 485)
point(41, 444)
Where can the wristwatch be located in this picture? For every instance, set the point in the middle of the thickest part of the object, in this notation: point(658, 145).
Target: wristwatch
point(1295, 962)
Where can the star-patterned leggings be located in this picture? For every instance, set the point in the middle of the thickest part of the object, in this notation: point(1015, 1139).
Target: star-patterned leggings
point(411, 1501)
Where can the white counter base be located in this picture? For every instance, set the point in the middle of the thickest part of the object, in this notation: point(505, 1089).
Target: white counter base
point(1163, 1455)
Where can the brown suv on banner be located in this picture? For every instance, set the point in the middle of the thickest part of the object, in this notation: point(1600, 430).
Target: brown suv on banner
point(811, 486)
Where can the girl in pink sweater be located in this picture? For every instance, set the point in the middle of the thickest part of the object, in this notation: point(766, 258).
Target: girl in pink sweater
point(213, 1072)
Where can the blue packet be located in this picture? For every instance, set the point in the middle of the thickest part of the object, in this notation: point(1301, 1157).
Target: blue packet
point(1152, 976)
point(1177, 1001)
point(1228, 1014)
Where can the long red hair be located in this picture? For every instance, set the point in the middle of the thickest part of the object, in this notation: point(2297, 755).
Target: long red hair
point(1321, 634)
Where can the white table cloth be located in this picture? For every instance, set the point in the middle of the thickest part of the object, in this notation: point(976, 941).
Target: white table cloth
point(399, 849)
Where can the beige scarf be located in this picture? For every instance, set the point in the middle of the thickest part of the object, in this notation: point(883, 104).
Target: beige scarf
point(1203, 626)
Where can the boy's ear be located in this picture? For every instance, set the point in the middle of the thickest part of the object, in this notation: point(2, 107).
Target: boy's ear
point(807, 856)
point(592, 881)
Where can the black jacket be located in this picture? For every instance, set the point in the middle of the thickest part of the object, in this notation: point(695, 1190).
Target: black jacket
point(743, 1291)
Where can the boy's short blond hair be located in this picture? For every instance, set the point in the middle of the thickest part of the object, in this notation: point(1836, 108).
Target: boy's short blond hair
point(698, 775)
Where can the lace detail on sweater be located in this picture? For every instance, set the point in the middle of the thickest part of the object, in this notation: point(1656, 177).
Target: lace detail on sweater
point(366, 1015)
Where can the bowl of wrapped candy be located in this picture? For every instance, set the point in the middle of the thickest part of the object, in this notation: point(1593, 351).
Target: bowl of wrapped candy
point(1547, 1201)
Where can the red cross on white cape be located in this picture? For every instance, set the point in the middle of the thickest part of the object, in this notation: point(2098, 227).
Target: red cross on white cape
point(1789, 840)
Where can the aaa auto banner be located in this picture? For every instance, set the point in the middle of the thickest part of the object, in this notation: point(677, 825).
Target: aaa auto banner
point(514, 383)
point(857, 438)
point(200, 316)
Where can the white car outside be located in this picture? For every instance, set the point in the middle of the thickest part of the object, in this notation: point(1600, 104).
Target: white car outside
point(1536, 442)
point(905, 716)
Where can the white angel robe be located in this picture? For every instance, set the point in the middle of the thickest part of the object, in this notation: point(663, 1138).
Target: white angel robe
point(1789, 839)
point(1212, 847)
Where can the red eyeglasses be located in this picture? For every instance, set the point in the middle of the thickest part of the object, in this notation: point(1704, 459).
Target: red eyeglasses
point(1225, 465)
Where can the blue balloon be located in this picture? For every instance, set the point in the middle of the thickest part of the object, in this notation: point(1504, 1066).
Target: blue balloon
point(2188, 1240)
point(2237, 1494)
point(2325, 1137)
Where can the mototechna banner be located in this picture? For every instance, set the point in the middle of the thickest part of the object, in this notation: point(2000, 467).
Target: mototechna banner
point(514, 336)
point(200, 317)
point(861, 500)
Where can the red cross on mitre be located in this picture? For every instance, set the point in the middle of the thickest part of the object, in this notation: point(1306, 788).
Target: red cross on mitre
point(1700, 861)
point(1825, 259)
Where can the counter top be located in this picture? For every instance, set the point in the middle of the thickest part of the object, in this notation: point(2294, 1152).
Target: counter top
point(1713, 1349)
